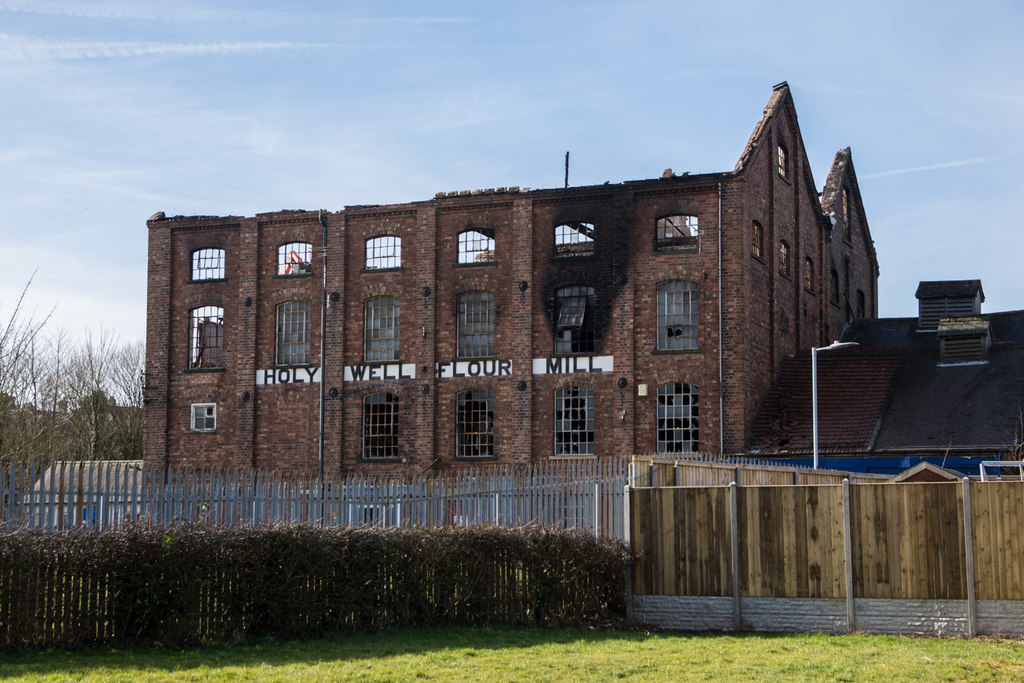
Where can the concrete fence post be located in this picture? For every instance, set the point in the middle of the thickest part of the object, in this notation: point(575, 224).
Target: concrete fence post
point(972, 603)
point(851, 621)
point(734, 515)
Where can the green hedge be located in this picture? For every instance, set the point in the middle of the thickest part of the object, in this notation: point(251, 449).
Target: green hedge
point(202, 584)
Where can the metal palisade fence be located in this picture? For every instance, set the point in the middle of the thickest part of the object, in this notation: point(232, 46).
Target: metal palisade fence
point(573, 493)
point(585, 494)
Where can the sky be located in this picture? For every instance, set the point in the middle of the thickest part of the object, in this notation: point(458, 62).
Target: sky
point(113, 111)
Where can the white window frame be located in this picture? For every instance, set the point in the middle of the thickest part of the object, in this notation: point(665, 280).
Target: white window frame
point(208, 264)
point(194, 418)
point(476, 245)
point(384, 252)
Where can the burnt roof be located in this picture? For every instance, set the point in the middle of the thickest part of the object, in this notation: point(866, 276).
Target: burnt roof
point(939, 289)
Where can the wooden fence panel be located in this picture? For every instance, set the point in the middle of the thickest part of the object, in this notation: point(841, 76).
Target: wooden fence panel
point(998, 535)
point(683, 537)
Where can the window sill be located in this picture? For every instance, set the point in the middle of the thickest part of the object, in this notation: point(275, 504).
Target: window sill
point(810, 291)
point(206, 279)
point(572, 256)
point(783, 177)
point(759, 259)
point(202, 431)
point(476, 263)
point(474, 458)
point(382, 270)
point(202, 370)
point(572, 457)
point(784, 276)
point(669, 248)
point(289, 276)
point(659, 352)
point(362, 459)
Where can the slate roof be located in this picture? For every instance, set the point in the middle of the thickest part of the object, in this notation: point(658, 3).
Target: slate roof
point(938, 289)
point(890, 396)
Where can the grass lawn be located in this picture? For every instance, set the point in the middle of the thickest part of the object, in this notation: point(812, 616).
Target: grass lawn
point(540, 655)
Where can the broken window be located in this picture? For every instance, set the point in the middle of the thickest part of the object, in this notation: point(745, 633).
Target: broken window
point(474, 424)
point(208, 264)
point(380, 426)
point(677, 315)
point(861, 305)
point(574, 319)
point(294, 258)
point(757, 240)
point(206, 336)
point(808, 274)
point(784, 258)
point(293, 333)
point(781, 161)
point(574, 421)
point(380, 323)
point(574, 239)
point(833, 282)
point(383, 252)
point(204, 417)
point(476, 324)
point(476, 246)
point(680, 230)
point(677, 418)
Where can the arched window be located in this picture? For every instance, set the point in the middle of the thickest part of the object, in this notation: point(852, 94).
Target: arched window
point(679, 230)
point(784, 258)
point(206, 334)
point(383, 252)
point(474, 424)
point(380, 426)
point(809, 274)
point(757, 240)
point(677, 315)
point(476, 246)
point(574, 421)
point(380, 327)
point(574, 238)
point(677, 418)
point(208, 264)
point(476, 324)
point(294, 258)
point(574, 319)
point(293, 333)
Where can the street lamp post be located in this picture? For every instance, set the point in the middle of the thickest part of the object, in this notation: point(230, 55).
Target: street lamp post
point(814, 387)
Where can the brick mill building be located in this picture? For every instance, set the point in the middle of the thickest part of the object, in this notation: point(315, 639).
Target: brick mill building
point(502, 325)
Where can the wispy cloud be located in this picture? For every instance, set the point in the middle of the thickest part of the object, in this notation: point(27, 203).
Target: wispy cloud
point(25, 48)
point(930, 167)
point(106, 10)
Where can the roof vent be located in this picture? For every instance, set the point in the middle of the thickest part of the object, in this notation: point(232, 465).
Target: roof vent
point(963, 340)
point(947, 299)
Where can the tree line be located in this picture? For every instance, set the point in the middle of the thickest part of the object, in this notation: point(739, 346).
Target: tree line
point(63, 398)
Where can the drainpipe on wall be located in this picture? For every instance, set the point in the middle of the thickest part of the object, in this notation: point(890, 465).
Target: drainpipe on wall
point(323, 336)
point(721, 361)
